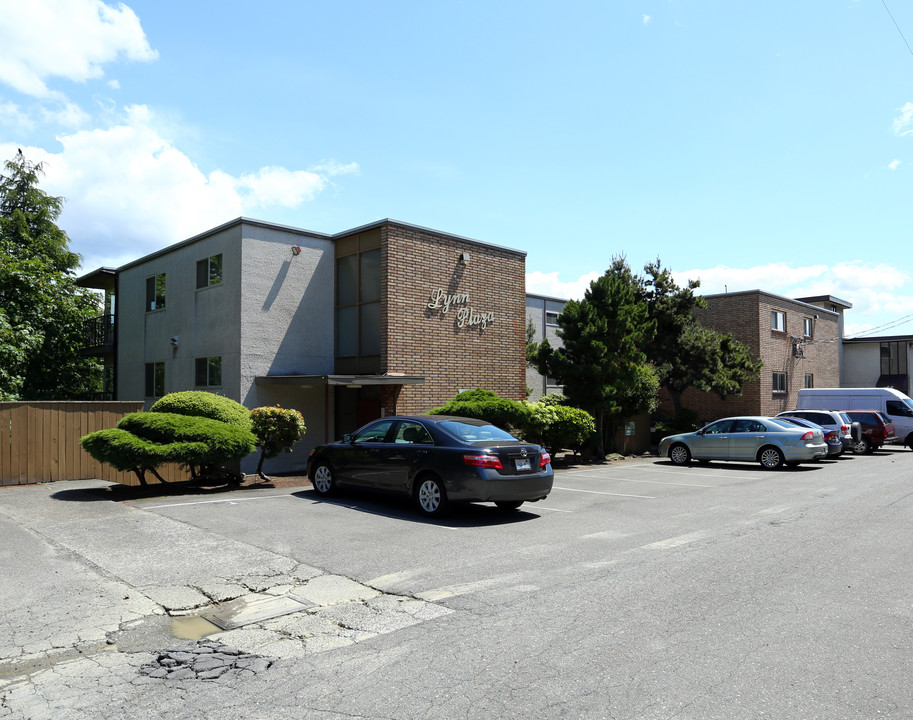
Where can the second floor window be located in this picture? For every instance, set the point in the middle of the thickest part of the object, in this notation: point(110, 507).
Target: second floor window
point(551, 318)
point(209, 271)
point(778, 320)
point(807, 326)
point(155, 292)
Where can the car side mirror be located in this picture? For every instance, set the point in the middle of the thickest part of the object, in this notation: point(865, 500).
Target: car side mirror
point(347, 438)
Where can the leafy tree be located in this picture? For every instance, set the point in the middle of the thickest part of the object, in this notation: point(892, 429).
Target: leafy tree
point(685, 353)
point(602, 365)
point(42, 310)
point(276, 429)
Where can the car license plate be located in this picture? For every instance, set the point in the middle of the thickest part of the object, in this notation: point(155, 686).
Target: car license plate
point(522, 464)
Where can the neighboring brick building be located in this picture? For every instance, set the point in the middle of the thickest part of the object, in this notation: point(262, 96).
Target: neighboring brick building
point(798, 340)
point(384, 318)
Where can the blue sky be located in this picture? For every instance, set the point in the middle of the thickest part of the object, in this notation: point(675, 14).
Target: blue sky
point(750, 145)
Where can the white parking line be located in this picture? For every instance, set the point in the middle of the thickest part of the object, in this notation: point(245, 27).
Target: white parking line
point(659, 482)
point(599, 492)
point(676, 541)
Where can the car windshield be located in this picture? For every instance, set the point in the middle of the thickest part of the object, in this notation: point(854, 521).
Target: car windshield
point(475, 433)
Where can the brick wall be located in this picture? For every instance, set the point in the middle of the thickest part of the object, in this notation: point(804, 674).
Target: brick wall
point(420, 340)
point(747, 316)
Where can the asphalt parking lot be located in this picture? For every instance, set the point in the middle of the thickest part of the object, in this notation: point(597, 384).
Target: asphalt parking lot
point(636, 589)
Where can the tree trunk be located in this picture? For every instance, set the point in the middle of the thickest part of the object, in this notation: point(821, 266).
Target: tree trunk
point(260, 466)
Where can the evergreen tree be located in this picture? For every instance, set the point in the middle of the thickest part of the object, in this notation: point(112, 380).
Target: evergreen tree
point(41, 308)
point(602, 365)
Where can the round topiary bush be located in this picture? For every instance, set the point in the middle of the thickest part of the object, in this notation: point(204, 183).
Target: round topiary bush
point(277, 429)
point(199, 403)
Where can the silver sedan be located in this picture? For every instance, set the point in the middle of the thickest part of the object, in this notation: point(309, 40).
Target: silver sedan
point(769, 441)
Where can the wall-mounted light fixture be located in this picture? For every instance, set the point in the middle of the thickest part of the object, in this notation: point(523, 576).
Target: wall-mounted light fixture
point(174, 341)
point(296, 249)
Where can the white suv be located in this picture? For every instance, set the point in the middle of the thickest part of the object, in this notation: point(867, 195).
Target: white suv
point(830, 420)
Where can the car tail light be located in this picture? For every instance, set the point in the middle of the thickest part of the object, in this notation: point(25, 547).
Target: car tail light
point(808, 437)
point(485, 461)
point(545, 459)
point(845, 429)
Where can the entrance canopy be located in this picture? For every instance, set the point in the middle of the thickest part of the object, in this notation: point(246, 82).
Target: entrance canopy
point(354, 381)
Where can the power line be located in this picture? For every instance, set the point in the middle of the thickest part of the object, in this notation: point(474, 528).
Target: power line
point(897, 26)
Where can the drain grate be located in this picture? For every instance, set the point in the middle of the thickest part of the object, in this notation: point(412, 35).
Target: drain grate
point(252, 609)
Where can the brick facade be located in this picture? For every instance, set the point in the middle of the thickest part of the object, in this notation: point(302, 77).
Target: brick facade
point(420, 340)
point(747, 317)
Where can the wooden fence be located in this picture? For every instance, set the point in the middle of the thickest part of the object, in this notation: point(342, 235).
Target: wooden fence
point(39, 442)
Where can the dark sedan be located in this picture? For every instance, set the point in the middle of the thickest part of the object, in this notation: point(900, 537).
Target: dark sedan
point(438, 460)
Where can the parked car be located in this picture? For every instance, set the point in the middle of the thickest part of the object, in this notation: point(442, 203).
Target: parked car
point(831, 437)
point(876, 431)
point(438, 460)
point(829, 420)
point(769, 441)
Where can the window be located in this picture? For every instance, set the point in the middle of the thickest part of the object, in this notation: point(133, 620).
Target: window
point(778, 320)
point(551, 318)
point(208, 371)
point(779, 382)
point(412, 433)
point(894, 358)
point(358, 304)
point(809, 380)
point(374, 433)
point(807, 326)
point(209, 271)
point(155, 379)
point(155, 292)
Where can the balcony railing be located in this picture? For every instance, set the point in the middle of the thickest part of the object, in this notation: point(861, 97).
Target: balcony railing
point(98, 331)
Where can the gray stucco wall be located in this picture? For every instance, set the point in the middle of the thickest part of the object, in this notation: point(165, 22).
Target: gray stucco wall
point(205, 322)
point(536, 308)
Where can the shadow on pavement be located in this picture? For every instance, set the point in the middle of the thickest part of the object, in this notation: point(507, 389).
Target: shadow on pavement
point(399, 507)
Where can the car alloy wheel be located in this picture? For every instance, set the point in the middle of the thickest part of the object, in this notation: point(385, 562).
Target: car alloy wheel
point(431, 497)
point(679, 454)
point(862, 446)
point(771, 458)
point(323, 482)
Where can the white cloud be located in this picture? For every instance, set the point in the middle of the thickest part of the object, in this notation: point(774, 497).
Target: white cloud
point(646, 19)
point(902, 124)
point(11, 115)
point(278, 186)
point(540, 283)
point(894, 164)
point(72, 39)
point(129, 191)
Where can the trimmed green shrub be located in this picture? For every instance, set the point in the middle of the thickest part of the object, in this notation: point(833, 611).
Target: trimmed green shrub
point(201, 442)
point(276, 430)
point(553, 399)
point(506, 414)
point(558, 427)
point(199, 403)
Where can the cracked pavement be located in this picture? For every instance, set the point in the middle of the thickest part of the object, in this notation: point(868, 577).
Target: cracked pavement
point(104, 597)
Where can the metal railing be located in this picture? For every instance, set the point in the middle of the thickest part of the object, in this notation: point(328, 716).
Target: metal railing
point(98, 331)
